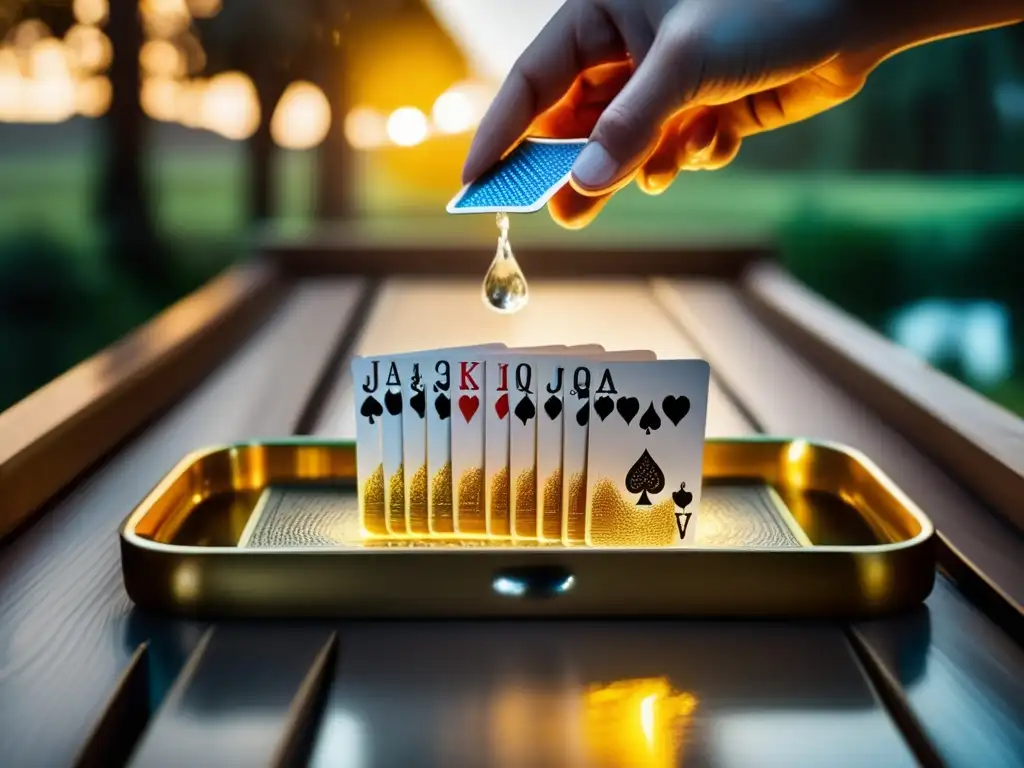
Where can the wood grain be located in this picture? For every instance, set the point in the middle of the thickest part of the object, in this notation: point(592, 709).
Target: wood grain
point(788, 395)
point(54, 434)
point(67, 628)
point(976, 441)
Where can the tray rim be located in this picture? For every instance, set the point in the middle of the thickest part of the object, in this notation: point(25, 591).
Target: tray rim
point(129, 537)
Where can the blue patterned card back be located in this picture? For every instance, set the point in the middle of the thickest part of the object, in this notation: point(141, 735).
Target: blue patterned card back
point(522, 182)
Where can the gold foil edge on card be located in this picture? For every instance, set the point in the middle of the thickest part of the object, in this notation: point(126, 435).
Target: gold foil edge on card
point(617, 522)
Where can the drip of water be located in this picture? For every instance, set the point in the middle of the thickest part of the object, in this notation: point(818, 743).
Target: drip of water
point(504, 288)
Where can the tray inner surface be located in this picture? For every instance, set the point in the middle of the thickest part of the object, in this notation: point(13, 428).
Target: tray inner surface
point(734, 513)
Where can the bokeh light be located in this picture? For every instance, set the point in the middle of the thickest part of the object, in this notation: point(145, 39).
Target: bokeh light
point(231, 106)
point(159, 98)
point(92, 96)
point(88, 48)
point(90, 12)
point(365, 128)
point(407, 126)
point(165, 18)
point(204, 9)
point(161, 58)
point(302, 117)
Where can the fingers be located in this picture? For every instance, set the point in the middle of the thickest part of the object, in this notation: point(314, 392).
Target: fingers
point(578, 36)
point(572, 210)
point(629, 129)
point(576, 113)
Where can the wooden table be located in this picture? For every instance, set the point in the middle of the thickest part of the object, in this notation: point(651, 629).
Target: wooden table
point(262, 352)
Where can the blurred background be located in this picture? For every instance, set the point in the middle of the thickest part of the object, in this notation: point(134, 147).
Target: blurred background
point(144, 144)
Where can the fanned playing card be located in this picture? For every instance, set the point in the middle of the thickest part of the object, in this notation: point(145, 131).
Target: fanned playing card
point(369, 386)
point(645, 453)
point(412, 372)
point(523, 181)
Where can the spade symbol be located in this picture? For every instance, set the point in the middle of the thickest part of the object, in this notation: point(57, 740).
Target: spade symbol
point(627, 408)
point(553, 407)
point(682, 497)
point(583, 415)
point(371, 408)
point(650, 420)
point(443, 406)
point(676, 408)
point(393, 402)
point(644, 477)
point(603, 406)
point(526, 410)
point(418, 402)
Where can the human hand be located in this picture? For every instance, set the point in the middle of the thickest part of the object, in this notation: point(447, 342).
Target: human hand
point(662, 86)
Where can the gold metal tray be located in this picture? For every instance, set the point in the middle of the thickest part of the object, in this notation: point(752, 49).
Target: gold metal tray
point(789, 528)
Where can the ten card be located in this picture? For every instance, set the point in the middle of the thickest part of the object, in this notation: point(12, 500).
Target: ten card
point(412, 370)
point(369, 460)
point(523, 181)
point(645, 452)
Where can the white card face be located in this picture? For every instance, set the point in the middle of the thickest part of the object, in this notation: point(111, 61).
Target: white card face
point(369, 384)
point(467, 428)
point(412, 370)
point(391, 445)
point(551, 373)
point(646, 451)
point(436, 374)
point(496, 436)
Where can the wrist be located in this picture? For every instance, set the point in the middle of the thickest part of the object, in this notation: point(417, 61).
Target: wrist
point(882, 28)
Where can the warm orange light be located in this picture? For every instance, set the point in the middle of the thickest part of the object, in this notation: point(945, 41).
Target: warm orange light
point(159, 96)
point(92, 97)
point(165, 18)
point(48, 59)
point(161, 58)
point(27, 34)
point(461, 107)
point(231, 106)
point(302, 117)
point(192, 50)
point(189, 107)
point(204, 9)
point(88, 48)
point(407, 126)
point(92, 12)
point(10, 86)
point(365, 128)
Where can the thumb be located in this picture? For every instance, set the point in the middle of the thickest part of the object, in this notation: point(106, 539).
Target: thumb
point(630, 126)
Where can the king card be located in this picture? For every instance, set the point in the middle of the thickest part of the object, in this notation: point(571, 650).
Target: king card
point(369, 461)
point(645, 453)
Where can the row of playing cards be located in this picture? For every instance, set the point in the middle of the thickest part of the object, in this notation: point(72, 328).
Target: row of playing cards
point(570, 445)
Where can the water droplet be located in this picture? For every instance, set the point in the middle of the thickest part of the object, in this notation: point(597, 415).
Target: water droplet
point(504, 287)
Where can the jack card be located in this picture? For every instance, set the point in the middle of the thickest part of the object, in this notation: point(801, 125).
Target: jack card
point(645, 453)
point(369, 387)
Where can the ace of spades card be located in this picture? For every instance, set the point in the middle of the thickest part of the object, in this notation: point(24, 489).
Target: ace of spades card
point(369, 387)
point(646, 452)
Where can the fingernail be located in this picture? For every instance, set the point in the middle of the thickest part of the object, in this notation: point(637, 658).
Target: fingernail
point(595, 168)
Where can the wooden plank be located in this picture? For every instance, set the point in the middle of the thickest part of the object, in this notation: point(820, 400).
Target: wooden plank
point(787, 395)
point(66, 625)
point(962, 675)
point(976, 441)
point(244, 697)
point(417, 314)
point(523, 694)
point(953, 664)
point(447, 683)
point(54, 434)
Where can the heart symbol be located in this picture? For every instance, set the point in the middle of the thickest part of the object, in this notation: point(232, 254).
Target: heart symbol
point(468, 405)
point(627, 408)
point(501, 406)
point(682, 497)
point(676, 408)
